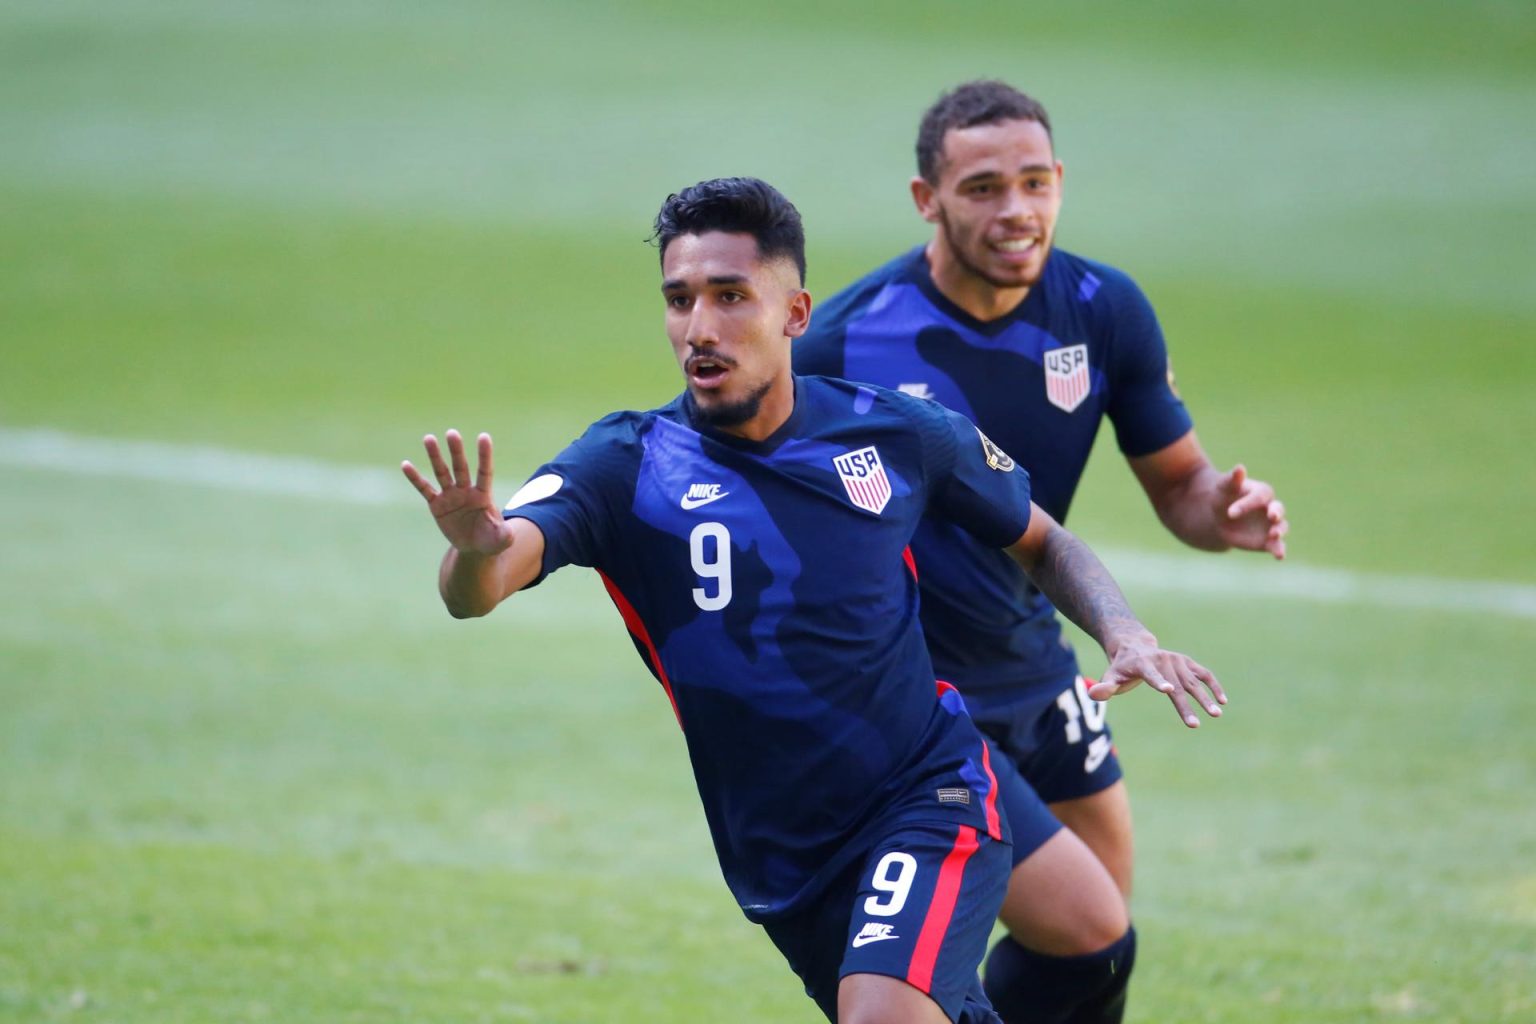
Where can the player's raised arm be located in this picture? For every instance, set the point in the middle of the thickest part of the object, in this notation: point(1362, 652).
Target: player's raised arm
point(488, 558)
point(1076, 582)
point(1209, 509)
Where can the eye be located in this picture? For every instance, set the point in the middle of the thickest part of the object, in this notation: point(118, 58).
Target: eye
point(677, 302)
point(980, 190)
point(731, 298)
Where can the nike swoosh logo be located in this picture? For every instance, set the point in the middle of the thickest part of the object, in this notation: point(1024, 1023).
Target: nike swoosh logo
point(864, 940)
point(693, 503)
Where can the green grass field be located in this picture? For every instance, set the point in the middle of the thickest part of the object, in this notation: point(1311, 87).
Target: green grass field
point(251, 771)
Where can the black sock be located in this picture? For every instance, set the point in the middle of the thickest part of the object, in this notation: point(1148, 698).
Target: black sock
point(1030, 988)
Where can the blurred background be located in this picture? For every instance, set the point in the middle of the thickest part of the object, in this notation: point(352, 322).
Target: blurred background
point(251, 252)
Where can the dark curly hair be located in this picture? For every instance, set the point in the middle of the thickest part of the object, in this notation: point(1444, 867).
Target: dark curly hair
point(986, 101)
point(747, 206)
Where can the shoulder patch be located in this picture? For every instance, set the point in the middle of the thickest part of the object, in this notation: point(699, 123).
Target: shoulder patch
point(537, 489)
point(996, 457)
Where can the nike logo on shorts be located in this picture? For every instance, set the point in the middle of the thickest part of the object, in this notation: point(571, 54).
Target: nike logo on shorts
point(872, 932)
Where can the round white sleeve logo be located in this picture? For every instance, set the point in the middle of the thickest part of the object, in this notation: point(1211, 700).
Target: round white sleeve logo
point(537, 489)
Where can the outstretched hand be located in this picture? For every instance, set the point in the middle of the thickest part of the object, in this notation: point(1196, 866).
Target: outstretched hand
point(464, 510)
point(1248, 515)
point(1176, 676)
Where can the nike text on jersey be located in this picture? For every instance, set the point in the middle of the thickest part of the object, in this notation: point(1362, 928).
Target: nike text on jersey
point(702, 494)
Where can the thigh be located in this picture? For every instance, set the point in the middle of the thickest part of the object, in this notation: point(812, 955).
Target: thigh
point(1103, 821)
point(1062, 901)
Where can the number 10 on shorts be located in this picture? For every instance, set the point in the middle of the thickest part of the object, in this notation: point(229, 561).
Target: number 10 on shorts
point(1083, 712)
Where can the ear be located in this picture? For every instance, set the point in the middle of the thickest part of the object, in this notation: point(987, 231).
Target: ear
point(922, 198)
point(799, 319)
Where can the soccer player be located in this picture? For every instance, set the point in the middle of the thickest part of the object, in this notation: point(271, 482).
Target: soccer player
point(753, 534)
point(1036, 346)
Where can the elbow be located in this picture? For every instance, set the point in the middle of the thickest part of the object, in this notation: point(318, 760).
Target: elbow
point(461, 609)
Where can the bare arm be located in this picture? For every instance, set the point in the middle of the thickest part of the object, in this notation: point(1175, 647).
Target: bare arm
point(1206, 508)
point(488, 558)
point(1068, 573)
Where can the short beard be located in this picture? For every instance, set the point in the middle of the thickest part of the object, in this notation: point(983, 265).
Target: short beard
point(731, 414)
point(961, 258)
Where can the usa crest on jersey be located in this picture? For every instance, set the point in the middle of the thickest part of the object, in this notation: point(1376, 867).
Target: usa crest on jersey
point(1066, 376)
point(863, 477)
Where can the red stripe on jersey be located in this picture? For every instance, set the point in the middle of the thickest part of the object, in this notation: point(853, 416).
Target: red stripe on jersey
point(945, 895)
point(906, 556)
point(638, 631)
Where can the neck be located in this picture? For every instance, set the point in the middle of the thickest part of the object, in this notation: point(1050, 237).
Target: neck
point(967, 289)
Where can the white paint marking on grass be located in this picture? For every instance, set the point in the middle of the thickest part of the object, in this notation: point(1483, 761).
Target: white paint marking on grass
point(202, 466)
point(1255, 576)
point(1233, 575)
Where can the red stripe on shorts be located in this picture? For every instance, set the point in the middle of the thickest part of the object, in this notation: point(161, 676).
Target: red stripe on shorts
point(639, 632)
point(940, 910)
point(994, 824)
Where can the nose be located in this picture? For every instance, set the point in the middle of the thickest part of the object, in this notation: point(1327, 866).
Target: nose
point(703, 327)
point(1016, 208)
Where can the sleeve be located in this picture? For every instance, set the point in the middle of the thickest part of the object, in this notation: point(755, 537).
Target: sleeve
point(572, 498)
point(971, 481)
point(1147, 413)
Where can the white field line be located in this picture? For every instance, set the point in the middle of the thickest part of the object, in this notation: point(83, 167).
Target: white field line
point(1200, 575)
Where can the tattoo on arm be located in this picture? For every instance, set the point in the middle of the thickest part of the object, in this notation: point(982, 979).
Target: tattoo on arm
point(1076, 582)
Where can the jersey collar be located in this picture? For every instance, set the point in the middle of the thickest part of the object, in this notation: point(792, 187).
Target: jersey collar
point(917, 273)
point(767, 446)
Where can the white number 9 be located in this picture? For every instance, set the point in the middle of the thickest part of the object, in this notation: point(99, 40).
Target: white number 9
point(899, 887)
point(717, 569)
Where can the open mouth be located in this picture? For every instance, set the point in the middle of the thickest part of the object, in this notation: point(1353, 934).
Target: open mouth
point(1016, 250)
point(708, 372)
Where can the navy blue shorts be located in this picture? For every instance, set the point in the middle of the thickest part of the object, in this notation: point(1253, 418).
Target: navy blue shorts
point(919, 907)
point(1041, 754)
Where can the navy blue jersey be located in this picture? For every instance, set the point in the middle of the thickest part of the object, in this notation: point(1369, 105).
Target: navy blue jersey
point(1083, 345)
point(767, 586)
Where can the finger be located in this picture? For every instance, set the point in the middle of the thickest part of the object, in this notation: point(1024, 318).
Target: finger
point(439, 467)
point(1277, 549)
point(1280, 529)
point(1276, 510)
point(418, 481)
point(483, 453)
point(1207, 677)
point(1196, 686)
point(460, 460)
point(1175, 694)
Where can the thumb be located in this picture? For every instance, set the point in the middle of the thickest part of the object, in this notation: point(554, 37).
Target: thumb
point(1238, 475)
point(1111, 682)
point(1233, 486)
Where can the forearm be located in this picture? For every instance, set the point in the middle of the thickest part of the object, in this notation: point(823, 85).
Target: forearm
point(1191, 509)
point(471, 584)
point(1068, 573)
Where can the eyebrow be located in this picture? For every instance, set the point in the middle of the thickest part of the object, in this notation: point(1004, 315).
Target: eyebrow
point(1028, 169)
point(675, 283)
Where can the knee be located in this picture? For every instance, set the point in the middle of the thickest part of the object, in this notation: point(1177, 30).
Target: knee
point(1078, 936)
